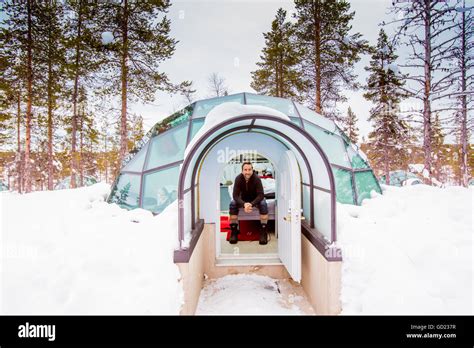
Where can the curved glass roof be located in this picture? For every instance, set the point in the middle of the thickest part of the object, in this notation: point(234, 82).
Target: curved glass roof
point(149, 175)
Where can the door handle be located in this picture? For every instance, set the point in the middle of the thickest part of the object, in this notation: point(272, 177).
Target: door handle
point(288, 218)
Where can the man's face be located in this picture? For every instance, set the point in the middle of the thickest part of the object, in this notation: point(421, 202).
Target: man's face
point(247, 171)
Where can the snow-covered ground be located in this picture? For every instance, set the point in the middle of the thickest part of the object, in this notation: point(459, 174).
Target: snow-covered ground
point(408, 252)
point(68, 252)
point(244, 294)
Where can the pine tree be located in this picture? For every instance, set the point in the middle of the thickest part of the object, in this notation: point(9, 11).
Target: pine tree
point(84, 57)
point(51, 65)
point(88, 137)
point(19, 32)
point(390, 134)
point(141, 42)
point(7, 98)
point(188, 93)
point(349, 126)
point(13, 77)
point(278, 74)
point(329, 52)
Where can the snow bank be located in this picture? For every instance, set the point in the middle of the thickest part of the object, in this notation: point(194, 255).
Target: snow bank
point(408, 252)
point(69, 252)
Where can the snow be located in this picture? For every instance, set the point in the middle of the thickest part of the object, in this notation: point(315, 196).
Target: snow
point(225, 111)
point(416, 167)
point(107, 37)
point(408, 252)
point(393, 67)
point(425, 173)
point(243, 294)
point(385, 49)
point(69, 252)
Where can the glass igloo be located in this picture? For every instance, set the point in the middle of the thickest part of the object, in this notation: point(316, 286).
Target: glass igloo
point(154, 165)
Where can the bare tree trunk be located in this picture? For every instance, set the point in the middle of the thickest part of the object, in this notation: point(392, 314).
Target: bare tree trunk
point(317, 42)
point(464, 140)
point(81, 146)
point(427, 93)
point(28, 101)
point(106, 162)
point(386, 161)
point(74, 98)
point(123, 119)
point(280, 77)
point(277, 80)
point(386, 167)
point(19, 156)
point(50, 123)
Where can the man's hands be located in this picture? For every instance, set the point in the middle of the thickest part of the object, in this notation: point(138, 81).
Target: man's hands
point(248, 207)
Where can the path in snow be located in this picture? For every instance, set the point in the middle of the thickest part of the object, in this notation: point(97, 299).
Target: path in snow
point(251, 294)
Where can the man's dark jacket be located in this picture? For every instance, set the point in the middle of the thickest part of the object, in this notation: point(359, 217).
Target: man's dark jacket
point(251, 191)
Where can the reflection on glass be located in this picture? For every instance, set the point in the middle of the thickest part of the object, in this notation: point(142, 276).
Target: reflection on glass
point(136, 163)
point(344, 192)
point(312, 116)
point(356, 161)
point(203, 107)
point(174, 120)
point(160, 189)
point(168, 147)
point(195, 126)
point(365, 182)
point(126, 192)
point(331, 144)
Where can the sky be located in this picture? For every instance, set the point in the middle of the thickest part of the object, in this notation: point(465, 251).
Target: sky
point(226, 37)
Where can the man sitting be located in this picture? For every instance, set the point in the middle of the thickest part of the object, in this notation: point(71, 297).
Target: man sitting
point(248, 193)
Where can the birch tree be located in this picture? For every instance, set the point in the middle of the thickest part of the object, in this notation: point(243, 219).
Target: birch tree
point(217, 85)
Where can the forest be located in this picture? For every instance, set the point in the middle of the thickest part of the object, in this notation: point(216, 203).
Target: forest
point(70, 69)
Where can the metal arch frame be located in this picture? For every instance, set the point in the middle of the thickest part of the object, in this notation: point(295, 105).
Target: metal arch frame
point(223, 135)
point(255, 116)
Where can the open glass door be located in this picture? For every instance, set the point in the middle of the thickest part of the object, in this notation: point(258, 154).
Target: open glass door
point(289, 214)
